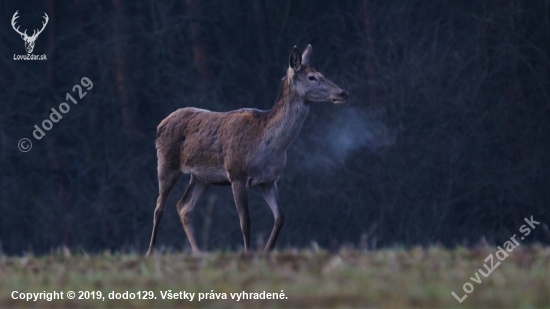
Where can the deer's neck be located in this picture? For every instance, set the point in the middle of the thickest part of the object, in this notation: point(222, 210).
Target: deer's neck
point(285, 119)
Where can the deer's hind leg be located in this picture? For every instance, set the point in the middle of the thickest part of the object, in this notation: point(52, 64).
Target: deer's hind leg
point(195, 190)
point(167, 179)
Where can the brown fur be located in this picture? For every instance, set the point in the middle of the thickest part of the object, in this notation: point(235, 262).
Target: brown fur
point(244, 148)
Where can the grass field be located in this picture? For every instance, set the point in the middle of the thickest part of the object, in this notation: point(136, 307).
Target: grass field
point(421, 278)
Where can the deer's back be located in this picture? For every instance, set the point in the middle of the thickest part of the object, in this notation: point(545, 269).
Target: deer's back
point(215, 146)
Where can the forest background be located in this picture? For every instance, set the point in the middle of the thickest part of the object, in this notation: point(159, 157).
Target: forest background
point(444, 139)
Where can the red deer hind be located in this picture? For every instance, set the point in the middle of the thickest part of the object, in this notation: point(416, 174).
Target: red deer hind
point(244, 148)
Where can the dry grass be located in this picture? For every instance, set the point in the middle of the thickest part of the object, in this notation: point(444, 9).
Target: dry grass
point(422, 278)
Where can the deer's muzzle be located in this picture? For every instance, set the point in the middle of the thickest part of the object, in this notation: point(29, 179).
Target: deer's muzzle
point(340, 98)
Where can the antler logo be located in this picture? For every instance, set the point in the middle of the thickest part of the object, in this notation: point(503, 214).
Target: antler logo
point(29, 40)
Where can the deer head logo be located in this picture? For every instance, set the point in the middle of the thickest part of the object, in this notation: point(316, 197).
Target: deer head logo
point(29, 40)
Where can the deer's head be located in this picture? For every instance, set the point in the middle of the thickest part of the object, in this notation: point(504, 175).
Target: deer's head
point(29, 40)
point(310, 84)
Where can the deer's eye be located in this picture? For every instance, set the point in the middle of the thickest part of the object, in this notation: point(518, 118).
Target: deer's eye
point(312, 78)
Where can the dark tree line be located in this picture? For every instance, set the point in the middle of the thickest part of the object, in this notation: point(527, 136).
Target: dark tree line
point(444, 140)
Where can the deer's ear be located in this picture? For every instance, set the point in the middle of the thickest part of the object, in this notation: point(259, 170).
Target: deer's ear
point(306, 56)
point(295, 59)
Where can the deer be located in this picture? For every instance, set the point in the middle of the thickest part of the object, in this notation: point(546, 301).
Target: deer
point(244, 148)
point(29, 40)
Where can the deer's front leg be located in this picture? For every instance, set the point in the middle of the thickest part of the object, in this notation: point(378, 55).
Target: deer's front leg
point(240, 193)
point(271, 195)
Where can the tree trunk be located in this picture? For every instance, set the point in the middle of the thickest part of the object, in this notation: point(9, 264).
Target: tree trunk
point(201, 52)
point(127, 109)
